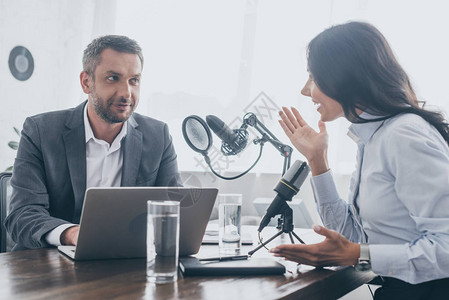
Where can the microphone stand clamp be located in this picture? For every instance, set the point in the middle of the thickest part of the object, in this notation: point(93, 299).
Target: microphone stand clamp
point(250, 119)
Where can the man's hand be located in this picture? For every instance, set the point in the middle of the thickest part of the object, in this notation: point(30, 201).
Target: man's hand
point(70, 236)
point(335, 250)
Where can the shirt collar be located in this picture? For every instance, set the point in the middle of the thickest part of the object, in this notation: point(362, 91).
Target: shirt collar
point(362, 132)
point(90, 134)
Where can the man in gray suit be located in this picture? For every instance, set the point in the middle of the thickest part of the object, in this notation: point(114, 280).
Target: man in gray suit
point(102, 142)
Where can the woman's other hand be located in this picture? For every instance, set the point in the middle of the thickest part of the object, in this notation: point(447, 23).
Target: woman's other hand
point(313, 145)
point(335, 250)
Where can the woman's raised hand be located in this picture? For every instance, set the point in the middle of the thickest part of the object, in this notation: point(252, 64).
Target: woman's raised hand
point(313, 145)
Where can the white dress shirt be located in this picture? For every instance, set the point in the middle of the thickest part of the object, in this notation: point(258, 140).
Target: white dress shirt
point(401, 189)
point(103, 167)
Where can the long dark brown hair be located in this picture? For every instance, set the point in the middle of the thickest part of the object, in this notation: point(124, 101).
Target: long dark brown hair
point(354, 64)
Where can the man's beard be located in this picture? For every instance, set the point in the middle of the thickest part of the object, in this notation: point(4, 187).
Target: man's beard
point(103, 108)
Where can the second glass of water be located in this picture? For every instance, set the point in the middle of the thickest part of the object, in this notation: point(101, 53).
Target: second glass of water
point(229, 228)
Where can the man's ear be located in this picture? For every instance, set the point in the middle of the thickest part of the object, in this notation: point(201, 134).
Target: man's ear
point(86, 82)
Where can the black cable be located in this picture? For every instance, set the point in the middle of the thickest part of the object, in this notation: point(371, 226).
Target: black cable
point(372, 295)
point(206, 158)
point(261, 240)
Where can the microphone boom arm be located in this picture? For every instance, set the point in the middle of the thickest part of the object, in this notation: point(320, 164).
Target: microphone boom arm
point(250, 119)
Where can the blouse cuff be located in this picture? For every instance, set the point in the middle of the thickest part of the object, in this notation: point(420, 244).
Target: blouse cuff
point(324, 188)
point(389, 260)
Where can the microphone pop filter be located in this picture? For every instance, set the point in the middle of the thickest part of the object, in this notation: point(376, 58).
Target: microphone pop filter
point(197, 134)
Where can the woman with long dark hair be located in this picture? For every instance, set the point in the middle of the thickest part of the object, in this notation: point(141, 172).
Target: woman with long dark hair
point(396, 221)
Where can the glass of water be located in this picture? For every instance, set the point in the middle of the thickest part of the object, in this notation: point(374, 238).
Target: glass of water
point(229, 228)
point(162, 241)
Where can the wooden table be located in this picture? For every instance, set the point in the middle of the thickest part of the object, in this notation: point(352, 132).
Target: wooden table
point(46, 274)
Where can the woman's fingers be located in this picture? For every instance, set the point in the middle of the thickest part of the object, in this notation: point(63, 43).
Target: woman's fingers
point(292, 250)
point(287, 122)
point(291, 121)
point(322, 126)
point(291, 117)
point(287, 130)
point(298, 117)
point(299, 255)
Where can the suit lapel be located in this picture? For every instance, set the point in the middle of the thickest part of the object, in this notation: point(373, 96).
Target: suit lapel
point(75, 147)
point(132, 153)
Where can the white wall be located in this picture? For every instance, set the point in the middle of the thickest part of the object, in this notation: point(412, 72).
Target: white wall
point(215, 57)
point(55, 32)
point(212, 57)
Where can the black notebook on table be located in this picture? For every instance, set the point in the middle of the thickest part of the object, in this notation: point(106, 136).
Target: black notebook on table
point(191, 266)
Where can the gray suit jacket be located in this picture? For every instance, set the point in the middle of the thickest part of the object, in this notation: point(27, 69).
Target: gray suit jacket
point(49, 177)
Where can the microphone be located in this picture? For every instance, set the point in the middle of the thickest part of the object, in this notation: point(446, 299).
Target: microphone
point(286, 188)
point(233, 141)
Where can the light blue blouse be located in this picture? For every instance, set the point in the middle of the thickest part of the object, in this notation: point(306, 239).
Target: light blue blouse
point(398, 202)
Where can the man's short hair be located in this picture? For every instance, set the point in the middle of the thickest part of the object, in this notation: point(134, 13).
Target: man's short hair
point(119, 43)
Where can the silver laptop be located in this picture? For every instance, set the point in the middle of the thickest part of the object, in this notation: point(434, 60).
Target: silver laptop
point(113, 220)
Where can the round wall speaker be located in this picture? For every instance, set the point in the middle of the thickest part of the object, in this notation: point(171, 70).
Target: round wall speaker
point(21, 63)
